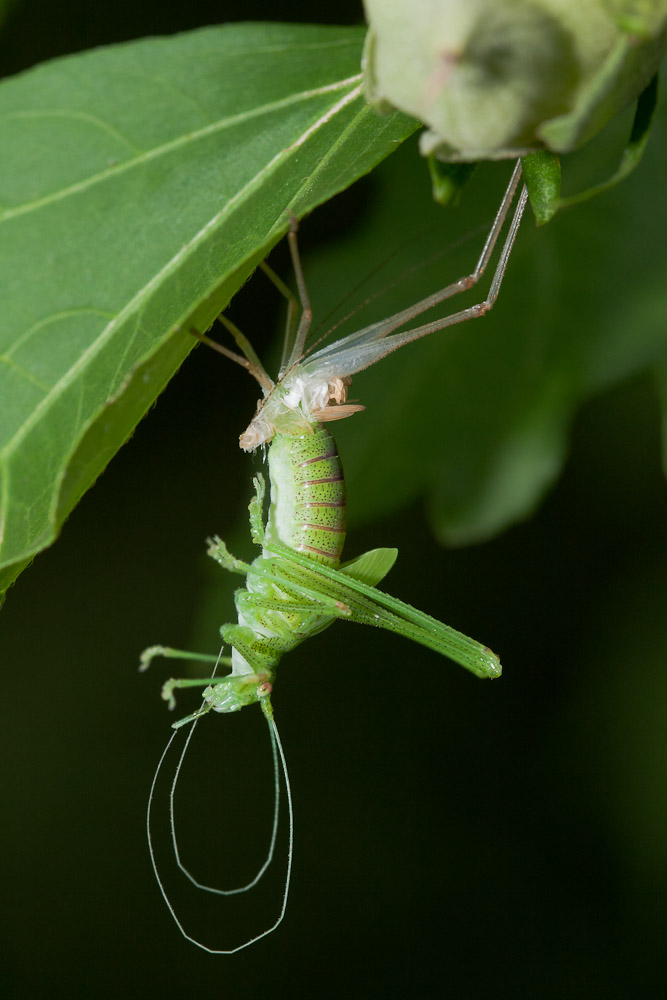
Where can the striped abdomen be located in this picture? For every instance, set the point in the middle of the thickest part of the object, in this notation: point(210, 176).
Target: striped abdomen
point(307, 495)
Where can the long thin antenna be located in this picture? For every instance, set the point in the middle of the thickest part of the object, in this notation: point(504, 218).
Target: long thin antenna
point(275, 739)
point(389, 286)
point(274, 828)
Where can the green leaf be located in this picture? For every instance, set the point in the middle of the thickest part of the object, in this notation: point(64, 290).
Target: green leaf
point(371, 567)
point(139, 187)
point(448, 179)
point(541, 173)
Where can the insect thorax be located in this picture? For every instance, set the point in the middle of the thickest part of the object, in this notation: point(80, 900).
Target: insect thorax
point(308, 506)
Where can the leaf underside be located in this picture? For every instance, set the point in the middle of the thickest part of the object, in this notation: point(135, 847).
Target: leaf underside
point(139, 187)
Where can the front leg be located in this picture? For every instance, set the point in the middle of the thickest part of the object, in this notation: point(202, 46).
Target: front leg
point(217, 550)
point(256, 510)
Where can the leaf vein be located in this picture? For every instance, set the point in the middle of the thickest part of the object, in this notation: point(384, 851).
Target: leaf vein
point(9, 362)
point(225, 123)
point(76, 116)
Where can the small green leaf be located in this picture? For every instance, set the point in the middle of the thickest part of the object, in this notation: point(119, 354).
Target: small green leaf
point(139, 187)
point(541, 172)
point(448, 179)
point(371, 567)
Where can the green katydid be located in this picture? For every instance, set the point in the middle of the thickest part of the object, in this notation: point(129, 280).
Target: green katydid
point(297, 586)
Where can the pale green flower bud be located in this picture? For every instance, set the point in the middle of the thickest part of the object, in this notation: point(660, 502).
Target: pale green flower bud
point(502, 78)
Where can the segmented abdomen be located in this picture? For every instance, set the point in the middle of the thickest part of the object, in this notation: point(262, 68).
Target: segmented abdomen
point(308, 504)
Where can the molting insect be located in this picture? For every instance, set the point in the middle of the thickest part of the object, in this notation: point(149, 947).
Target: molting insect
point(298, 586)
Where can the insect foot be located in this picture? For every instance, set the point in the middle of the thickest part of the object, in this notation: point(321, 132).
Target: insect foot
point(230, 694)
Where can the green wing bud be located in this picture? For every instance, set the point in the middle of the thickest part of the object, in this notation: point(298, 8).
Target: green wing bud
point(502, 78)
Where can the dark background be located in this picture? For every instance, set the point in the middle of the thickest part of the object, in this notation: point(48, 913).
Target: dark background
point(468, 838)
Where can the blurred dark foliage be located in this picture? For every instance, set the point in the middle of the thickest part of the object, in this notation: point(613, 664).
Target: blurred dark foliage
point(453, 837)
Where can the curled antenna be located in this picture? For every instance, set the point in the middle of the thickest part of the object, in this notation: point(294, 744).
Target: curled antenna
point(274, 828)
point(278, 754)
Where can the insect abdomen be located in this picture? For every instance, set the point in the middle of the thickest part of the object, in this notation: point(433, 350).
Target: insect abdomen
point(308, 504)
